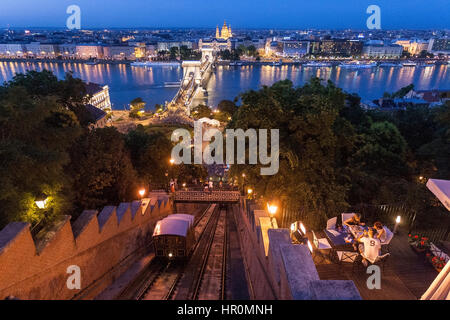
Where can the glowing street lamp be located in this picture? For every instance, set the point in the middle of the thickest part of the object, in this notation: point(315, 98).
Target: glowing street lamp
point(41, 202)
point(397, 222)
point(272, 209)
point(141, 192)
point(172, 161)
point(293, 227)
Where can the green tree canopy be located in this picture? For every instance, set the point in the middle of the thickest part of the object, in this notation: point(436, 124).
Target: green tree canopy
point(101, 169)
point(201, 111)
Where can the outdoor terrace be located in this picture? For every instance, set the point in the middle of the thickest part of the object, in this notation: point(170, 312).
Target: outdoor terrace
point(406, 276)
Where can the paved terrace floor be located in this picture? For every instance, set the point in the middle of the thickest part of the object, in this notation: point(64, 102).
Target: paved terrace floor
point(407, 275)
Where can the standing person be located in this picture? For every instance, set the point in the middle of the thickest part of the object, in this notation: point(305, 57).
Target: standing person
point(370, 248)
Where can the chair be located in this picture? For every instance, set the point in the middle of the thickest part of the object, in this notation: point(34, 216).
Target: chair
point(385, 244)
point(438, 252)
point(347, 256)
point(331, 223)
point(322, 245)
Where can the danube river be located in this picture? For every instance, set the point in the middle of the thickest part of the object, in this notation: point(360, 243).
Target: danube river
point(126, 82)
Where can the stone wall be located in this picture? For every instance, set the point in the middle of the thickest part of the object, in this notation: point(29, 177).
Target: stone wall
point(278, 269)
point(97, 242)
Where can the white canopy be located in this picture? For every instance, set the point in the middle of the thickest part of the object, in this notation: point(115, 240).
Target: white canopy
point(181, 216)
point(440, 288)
point(441, 189)
point(174, 227)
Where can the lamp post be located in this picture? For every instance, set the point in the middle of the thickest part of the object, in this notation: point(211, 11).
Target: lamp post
point(397, 222)
point(272, 211)
point(243, 183)
point(171, 162)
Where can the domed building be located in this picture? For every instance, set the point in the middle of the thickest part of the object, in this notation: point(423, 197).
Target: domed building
point(225, 33)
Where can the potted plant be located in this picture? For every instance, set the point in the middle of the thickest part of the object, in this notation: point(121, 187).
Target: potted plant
point(437, 262)
point(418, 243)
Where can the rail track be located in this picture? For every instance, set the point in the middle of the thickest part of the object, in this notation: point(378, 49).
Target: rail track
point(205, 276)
point(223, 293)
point(157, 269)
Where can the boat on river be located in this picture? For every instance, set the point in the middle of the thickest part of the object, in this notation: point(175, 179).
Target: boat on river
point(156, 64)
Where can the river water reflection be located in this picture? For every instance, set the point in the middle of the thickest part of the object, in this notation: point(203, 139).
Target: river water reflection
point(127, 83)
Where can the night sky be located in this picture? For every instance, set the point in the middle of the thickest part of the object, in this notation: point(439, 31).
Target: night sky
point(337, 14)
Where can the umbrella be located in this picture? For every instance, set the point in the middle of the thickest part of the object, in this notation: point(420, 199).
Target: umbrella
point(441, 189)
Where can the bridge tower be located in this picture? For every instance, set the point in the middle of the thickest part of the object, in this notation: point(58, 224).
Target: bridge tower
point(208, 55)
point(191, 71)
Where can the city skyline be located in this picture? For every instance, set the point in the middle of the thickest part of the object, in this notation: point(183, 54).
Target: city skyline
point(325, 14)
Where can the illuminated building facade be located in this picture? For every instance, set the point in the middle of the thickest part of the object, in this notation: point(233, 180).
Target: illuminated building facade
point(440, 46)
point(99, 96)
point(89, 51)
point(119, 52)
point(391, 51)
point(215, 44)
point(225, 33)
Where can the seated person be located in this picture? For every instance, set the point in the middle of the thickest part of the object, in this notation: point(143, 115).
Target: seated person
point(381, 233)
point(370, 250)
point(355, 220)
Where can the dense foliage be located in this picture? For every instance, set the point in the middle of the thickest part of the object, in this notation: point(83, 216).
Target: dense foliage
point(335, 155)
point(47, 149)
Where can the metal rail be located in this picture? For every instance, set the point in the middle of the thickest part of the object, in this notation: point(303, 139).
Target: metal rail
point(223, 293)
point(137, 289)
point(199, 278)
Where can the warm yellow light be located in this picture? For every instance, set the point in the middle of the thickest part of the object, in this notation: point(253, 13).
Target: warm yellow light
point(249, 191)
point(398, 219)
point(272, 209)
point(142, 192)
point(293, 227)
point(184, 184)
point(302, 227)
point(41, 204)
point(310, 246)
point(243, 175)
point(170, 255)
point(172, 161)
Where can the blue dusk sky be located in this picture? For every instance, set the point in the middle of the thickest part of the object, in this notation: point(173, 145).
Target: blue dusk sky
point(333, 14)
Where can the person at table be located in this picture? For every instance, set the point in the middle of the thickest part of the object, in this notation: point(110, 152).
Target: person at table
point(371, 246)
point(381, 233)
point(355, 220)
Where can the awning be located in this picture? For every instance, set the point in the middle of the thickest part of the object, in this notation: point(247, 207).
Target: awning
point(441, 189)
point(440, 288)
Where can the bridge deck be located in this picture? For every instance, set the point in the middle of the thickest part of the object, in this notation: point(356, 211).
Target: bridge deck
point(207, 196)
